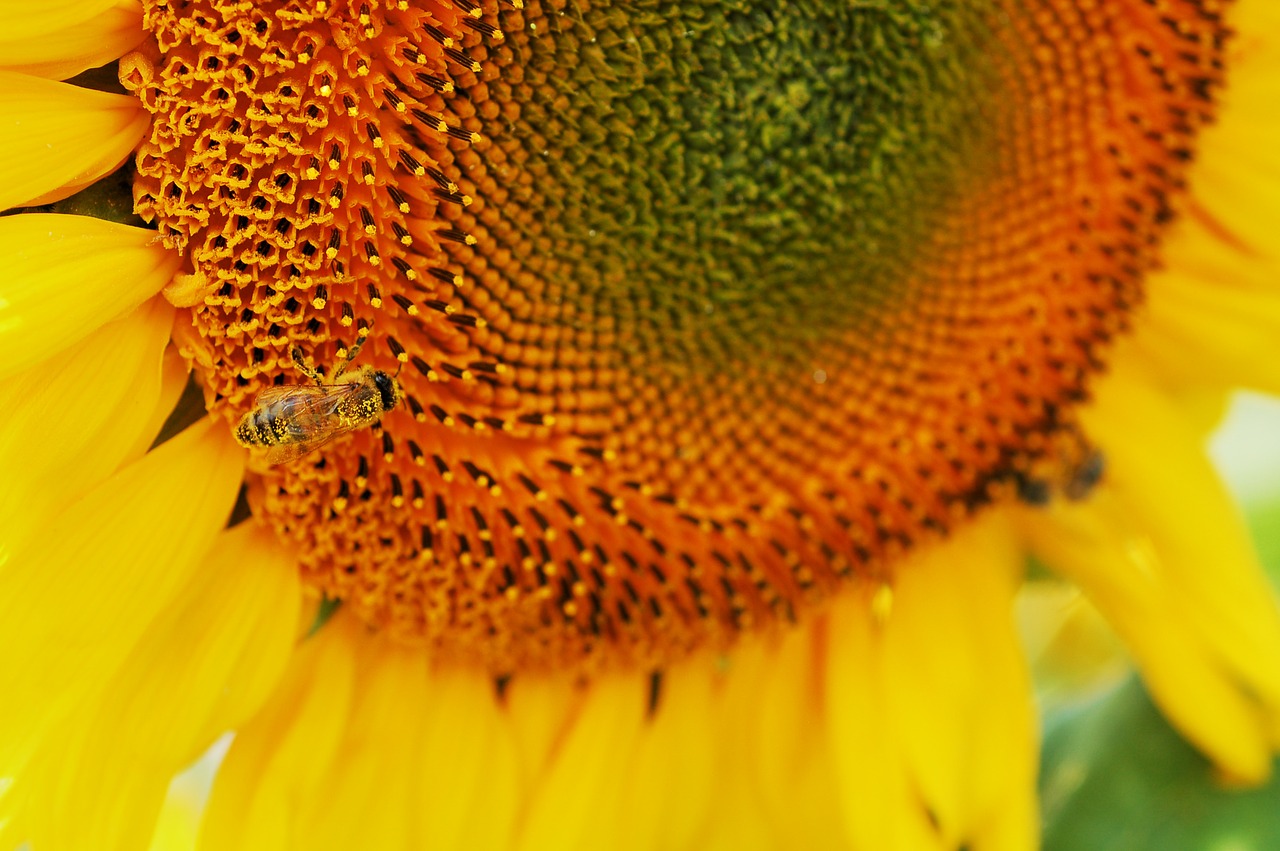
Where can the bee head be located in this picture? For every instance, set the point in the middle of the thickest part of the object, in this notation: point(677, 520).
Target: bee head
point(389, 389)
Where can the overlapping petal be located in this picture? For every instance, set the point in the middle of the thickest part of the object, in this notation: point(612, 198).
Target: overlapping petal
point(78, 44)
point(73, 420)
point(774, 778)
point(1236, 184)
point(476, 801)
point(1213, 313)
point(30, 20)
point(1160, 550)
point(576, 792)
point(675, 779)
point(1127, 586)
point(66, 276)
point(201, 668)
point(367, 743)
point(77, 622)
point(281, 760)
point(934, 740)
point(56, 138)
point(1201, 540)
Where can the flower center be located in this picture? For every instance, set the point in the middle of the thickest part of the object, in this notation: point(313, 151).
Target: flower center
point(702, 311)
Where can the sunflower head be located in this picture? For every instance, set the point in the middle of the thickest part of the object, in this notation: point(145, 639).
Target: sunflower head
point(701, 314)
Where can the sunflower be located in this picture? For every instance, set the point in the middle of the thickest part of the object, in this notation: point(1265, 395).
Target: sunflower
point(742, 357)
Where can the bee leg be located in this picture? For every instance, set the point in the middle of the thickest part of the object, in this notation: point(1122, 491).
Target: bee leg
point(301, 364)
point(352, 353)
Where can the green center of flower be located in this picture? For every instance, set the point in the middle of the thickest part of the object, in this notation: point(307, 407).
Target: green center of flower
point(710, 175)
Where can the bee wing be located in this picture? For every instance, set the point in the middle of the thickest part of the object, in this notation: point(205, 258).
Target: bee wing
point(283, 453)
point(308, 413)
point(309, 408)
point(277, 392)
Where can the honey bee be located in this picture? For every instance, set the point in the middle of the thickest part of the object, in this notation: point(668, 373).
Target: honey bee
point(291, 420)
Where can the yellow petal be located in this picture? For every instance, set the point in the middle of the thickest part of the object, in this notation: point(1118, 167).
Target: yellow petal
point(204, 664)
point(464, 769)
point(671, 785)
point(77, 46)
point(1161, 477)
point(75, 601)
point(1098, 547)
point(383, 753)
point(958, 690)
point(1070, 646)
point(28, 20)
point(585, 765)
point(423, 762)
point(179, 821)
point(65, 276)
point(287, 754)
point(1215, 336)
point(790, 766)
point(1214, 314)
point(56, 138)
point(1236, 182)
point(877, 803)
point(737, 818)
point(174, 377)
point(368, 797)
point(493, 815)
point(266, 637)
point(74, 419)
point(538, 709)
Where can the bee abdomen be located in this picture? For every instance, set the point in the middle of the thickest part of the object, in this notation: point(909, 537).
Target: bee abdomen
point(256, 428)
